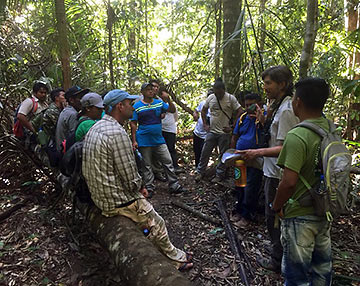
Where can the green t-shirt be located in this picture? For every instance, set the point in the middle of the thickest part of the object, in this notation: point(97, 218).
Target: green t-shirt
point(83, 128)
point(299, 152)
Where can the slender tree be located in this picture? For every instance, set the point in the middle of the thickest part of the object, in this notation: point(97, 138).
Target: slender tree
point(231, 52)
point(63, 42)
point(218, 15)
point(310, 35)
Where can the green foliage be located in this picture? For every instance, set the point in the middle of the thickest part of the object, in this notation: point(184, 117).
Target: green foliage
point(173, 41)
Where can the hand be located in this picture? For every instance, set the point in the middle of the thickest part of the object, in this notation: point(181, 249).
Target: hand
point(206, 127)
point(227, 129)
point(162, 115)
point(248, 154)
point(164, 96)
point(144, 192)
point(135, 145)
point(259, 114)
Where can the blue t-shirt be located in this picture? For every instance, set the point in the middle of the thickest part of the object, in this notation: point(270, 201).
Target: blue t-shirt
point(147, 115)
point(247, 131)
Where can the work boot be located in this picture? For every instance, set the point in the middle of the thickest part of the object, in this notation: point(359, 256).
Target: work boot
point(177, 190)
point(268, 264)
point(160, 177)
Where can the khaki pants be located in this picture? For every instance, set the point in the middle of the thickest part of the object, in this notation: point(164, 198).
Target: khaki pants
point(144, 215)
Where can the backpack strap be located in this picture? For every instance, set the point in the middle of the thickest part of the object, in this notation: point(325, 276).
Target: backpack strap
point(35, 105)
point(313, 127)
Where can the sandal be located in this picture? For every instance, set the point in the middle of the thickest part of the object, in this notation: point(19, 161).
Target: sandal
point(185, 266)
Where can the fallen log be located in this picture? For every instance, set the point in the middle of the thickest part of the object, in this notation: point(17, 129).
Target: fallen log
point(196, 213)
point(138, 261)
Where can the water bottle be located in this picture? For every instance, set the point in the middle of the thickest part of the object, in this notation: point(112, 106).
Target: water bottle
point(146, 231)
point(240, 173)
point(138, 154)
point(42, 137)
point(322, 186)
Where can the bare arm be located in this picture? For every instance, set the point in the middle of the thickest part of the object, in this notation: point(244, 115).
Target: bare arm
point(204, 111)
point(166, 98)
point(262, 152)
point(25, 122)
point(234, 139)
point(286, 189)
point(133, 127)
point(196, 115)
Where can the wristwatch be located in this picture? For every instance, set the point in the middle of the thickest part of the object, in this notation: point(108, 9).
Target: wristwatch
point(272, 208)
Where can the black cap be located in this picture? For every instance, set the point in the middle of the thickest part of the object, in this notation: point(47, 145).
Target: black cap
point(75, 91)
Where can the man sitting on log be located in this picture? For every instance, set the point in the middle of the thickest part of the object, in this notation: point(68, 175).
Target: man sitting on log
point(115, 185)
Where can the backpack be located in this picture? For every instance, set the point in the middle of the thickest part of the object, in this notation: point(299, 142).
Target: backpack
point(329, 196)
point(70, 166)
point(18, 129)
point(70, 138)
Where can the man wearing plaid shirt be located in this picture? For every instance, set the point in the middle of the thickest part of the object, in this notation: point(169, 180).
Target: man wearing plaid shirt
point(111, 174)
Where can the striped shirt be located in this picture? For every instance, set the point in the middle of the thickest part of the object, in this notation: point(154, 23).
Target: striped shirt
point(148, 116)
point(109, 165)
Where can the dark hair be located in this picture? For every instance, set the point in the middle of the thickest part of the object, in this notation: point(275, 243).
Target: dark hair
point(253, 96)
point(37, 85)
point(219, 84)
point(55, 92)
point(280, 74)
point(154, 80)
point(313, 92)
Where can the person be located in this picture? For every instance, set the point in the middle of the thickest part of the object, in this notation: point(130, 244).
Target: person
point(115, 185)
point(280, 118)
point(92, 109)
point(245, 136)
point(148, 136)
point(305, 237)
point(68, 119)
point(168, 126)
point(32, 106)
point(222, 106)
point(199, 132)
point(51, 115)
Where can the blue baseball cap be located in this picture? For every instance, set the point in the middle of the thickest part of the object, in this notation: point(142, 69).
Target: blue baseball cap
point(115, 96)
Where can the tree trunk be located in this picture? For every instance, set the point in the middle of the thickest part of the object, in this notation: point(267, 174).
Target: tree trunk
point(231, 52)
point(110, 22)
point(218, 15)
point(262, 25)
point(132, 45)
point(63, 42)
point(137, 260)
point(309, 40)
point(354, 60)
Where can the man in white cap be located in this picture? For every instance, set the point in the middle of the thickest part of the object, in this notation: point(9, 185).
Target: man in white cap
point(92, 109)
point(111, 174)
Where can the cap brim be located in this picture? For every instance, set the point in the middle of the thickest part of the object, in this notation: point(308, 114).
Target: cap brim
point(99, 105)
point(132, 97)
point(81, 92)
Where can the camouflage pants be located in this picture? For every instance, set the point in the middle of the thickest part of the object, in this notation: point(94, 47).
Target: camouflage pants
point(144, 215)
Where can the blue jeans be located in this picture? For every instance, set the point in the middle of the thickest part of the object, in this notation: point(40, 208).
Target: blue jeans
point(248, 197)
point(306, 251)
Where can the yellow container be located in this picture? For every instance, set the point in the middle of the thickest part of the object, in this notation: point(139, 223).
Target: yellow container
point(240, 173)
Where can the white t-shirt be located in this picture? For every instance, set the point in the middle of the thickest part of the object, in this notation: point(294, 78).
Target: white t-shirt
point(284, 120)
point(218, 120)
point(168, 123)
point(199, 127)
point(27, 106)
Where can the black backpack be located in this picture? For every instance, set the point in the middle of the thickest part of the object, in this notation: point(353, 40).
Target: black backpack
point(70, 138)
point(70, 166)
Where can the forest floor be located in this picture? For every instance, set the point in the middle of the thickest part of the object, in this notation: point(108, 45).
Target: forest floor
point(43, 244)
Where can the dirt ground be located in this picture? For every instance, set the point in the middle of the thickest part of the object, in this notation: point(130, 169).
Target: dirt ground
point(46, 244)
